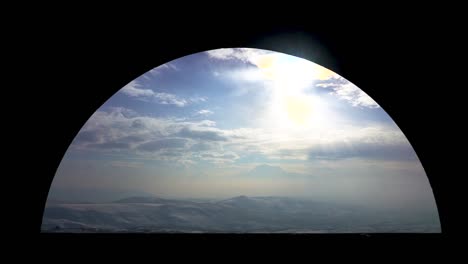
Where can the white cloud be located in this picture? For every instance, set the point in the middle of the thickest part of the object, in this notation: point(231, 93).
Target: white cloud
point(169, 66)
point(167, 98)
point(134, 89)
point(243, 54)
point(298, 146)
point(205, 112)
point(353, 95)
point(207, 123)
point(272, 70)
point(165, 66)
point(198, 99)
point(162, 144)
point(121, 130)
point(219, 158)
point(326, 85)
point(222, 54)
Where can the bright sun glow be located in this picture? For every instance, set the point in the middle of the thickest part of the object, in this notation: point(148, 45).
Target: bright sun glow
point(299, 109)
point(293, 104)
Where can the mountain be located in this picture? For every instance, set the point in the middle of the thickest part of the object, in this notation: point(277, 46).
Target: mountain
point(241, 214)
point(142, 199)
point(237, 199)
point(93, 195)
point(241, 202)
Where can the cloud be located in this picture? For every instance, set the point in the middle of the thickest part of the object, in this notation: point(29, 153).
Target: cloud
point(135, 90)
point(115, 128)
point(204, 112)
point(87, 136)
point(198, 99)
point(201, 135)
point(219, 158)
point(183, 140)
point(163, 67)
point(157, 145)
point(369, 142)
point(125, 112)
point(167, 98)
point(169, 66)
point(206, 123)
point(103, 140)
point(119, 129)
point(363, 150)
point(345, 90)
point(132, 139)
point(111, 145)
point(242, 54)
point(203, 146)
point(138, 124)
point(298, 74)
point(270, 70)
point(355, 96)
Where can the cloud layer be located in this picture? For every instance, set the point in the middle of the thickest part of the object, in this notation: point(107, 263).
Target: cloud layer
point(347, 91)
point(135, 90)
point(123, 130)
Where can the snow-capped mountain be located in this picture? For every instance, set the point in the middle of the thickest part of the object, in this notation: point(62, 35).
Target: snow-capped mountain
point(239, 214)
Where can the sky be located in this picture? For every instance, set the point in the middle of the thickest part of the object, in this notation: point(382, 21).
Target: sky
point(231, 122)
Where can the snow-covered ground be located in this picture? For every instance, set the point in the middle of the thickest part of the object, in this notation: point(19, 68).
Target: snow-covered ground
point(235, 215)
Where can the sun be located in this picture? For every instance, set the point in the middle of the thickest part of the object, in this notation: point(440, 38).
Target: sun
point(268, 66)
point(293, 103)
point(298, 109)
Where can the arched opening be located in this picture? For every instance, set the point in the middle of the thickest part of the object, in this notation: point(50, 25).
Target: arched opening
point(240, 140)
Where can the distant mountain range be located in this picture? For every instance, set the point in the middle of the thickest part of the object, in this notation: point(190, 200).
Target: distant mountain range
point(142, 199)
point(239, 214)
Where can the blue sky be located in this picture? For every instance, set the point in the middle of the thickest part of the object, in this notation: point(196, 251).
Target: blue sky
point(206, 124)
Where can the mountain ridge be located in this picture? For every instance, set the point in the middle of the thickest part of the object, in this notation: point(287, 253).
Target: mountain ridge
point(240, 214)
